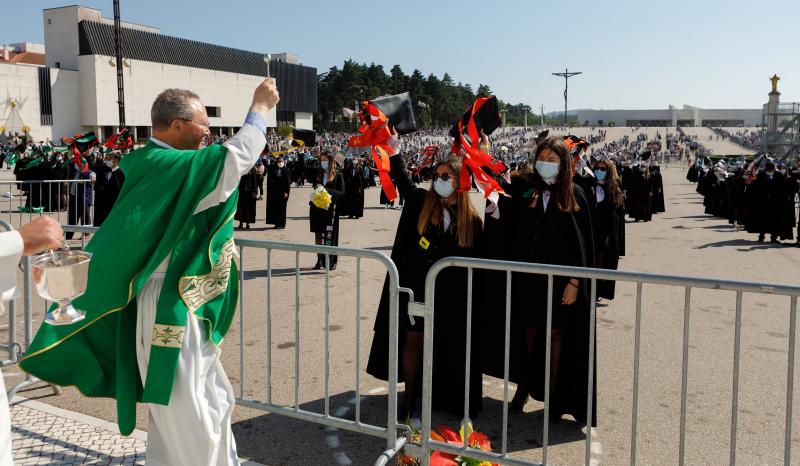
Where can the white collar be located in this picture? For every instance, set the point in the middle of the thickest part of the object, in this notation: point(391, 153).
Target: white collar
point(161, 143)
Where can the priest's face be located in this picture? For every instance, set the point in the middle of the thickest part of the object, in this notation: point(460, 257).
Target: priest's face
point(192, 133)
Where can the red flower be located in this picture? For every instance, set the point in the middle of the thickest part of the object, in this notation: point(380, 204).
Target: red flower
point(479, 441)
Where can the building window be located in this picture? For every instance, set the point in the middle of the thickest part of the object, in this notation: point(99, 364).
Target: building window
point(214, 112)
point(49, 21)
point(45, 98)
point(142, 133)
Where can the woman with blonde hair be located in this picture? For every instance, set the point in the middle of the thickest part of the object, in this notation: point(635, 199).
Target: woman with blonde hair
point(325, 222)
point(437, 222)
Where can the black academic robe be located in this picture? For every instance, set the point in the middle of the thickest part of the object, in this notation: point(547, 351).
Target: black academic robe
point(641, 196)
point(414, 257)
point(657, 205)
point(279, 183)
point(605, 224)
point(769, 199)
point(547, 236)
point(248, 192)
point(353, 201)
point(106, 191)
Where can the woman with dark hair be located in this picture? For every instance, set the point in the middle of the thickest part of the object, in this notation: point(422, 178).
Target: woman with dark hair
point(546, 220)
point(279, 185)
point(436, 222)
point(325, 222)
point(246, 205)
point(606, 201)
point(353, 202)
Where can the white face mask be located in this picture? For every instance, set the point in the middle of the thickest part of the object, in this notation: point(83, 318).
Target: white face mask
point(547, 170)
point(281, 164)
point(109, 163)
point(59, 159)
point(443, 188)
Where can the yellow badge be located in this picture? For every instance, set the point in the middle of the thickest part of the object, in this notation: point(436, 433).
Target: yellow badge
point(424, 243)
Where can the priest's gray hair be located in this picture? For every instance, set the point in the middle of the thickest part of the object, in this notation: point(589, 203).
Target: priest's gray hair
point(170, 105)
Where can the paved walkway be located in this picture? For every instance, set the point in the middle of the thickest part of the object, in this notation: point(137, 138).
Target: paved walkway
point(45, 434)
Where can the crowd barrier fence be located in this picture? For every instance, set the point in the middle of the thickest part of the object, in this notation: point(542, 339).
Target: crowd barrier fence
point(22, 201)
point(426, 310)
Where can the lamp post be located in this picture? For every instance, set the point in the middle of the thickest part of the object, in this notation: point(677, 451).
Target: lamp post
point(566, 75)
point(118, 47)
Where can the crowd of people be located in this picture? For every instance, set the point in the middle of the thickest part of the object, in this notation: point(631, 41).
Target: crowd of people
point(565, 202)
point(758, 196)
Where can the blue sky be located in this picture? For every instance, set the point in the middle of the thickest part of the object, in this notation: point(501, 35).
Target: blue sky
point(634, 54)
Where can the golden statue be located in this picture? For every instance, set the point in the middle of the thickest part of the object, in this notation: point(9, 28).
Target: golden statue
point(774, 80)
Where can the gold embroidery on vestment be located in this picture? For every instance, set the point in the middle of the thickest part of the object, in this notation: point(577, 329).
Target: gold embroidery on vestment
point(168, 336)
point(196, 291)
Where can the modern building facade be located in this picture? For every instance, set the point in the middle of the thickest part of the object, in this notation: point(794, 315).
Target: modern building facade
point(75, 88)
point(672, 116)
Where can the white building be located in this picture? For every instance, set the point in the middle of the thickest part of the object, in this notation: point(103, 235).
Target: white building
point(76, 89)
point(672, 116)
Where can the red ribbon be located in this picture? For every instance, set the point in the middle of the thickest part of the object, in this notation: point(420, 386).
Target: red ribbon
point(430, 152)
point(375, 133)
point(474, 159)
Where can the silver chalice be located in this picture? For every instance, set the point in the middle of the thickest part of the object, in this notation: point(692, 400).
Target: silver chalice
point(61, 276)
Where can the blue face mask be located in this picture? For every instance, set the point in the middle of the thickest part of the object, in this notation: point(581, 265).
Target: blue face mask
point(324, 164)
point(443, 188)
point(600, 175)
point(547, 170)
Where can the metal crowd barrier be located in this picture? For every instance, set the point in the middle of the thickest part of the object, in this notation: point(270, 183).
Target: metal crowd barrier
point(22, 201)
point(389, 432)
point(427, 310)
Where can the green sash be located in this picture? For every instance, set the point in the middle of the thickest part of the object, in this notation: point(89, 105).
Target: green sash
point(153, 218)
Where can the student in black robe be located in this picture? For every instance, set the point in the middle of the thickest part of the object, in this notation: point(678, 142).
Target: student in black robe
point(107, 186)
point(548, 221)
point(79, 193)
point(324, 223)
point(657, 205)
point(353, 202)
point(435, 223)
point(279, 184)
point(641, 195)
point(248, 193)
point(606, 200)
point(769, 198)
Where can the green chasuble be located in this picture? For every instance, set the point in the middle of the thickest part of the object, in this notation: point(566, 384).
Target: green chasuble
point(153, 218)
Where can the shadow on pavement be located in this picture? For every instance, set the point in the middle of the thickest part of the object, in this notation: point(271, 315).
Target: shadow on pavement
point(278, 440)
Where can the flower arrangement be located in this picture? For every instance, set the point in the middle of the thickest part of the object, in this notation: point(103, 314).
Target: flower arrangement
point(321, 198)
point(475, 439)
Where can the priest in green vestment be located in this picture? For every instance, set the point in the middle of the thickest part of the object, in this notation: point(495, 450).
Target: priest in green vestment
point(162, 289)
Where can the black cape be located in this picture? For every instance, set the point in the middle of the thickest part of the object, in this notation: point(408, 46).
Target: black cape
point(413, 262)
point(279, 182)
point(565, 239)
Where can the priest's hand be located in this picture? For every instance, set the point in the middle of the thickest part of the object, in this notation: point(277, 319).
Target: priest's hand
point(41, 234)
point(265, 97)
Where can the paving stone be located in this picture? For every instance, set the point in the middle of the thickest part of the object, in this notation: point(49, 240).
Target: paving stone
point(42, 438)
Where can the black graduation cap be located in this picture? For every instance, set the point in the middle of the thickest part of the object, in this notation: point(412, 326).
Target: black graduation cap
point(542, 136)
point(308, 136)
point(645, 155)
point(86, 140)
point(399, 111)
point(487, 118)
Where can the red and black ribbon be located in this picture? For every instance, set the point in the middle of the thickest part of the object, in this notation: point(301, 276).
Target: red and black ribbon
point(475, 160)
point(375, 134)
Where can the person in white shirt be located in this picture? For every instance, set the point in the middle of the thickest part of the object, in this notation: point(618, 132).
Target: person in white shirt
point(37, 236)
